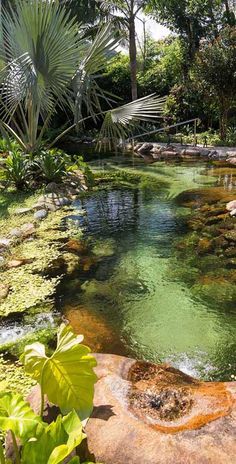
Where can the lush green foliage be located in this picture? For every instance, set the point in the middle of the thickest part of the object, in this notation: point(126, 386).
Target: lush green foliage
point(55, 442)
point(48, 65)
point(17, 416)
point(52, 164)
point(17, 169)
point(216, 68)
point(67, 377)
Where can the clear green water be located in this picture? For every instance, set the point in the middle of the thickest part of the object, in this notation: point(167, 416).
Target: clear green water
point(138, 291)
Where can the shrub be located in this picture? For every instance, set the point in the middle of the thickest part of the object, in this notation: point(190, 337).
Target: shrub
point(17, 167)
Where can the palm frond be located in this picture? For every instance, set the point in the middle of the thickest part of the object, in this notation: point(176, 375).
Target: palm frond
point(120, 122)
point(96, 55)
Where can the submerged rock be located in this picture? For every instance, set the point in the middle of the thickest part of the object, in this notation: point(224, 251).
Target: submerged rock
point(199, 197)
point(156, 414)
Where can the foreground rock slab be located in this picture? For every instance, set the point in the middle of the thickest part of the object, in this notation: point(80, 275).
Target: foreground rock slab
point(147, 413)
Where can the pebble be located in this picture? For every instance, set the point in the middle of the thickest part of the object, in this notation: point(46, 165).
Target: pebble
point(28, 229)
point(21, 211)
point(16, 233)
point(40, 214)
point(5, 242)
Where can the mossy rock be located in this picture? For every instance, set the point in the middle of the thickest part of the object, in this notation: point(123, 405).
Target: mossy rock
point(45, 336)
point(104, 248)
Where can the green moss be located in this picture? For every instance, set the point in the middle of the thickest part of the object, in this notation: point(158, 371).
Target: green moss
point(129, 178)
point(29, 284)
point(14, 378)
point(45, 336)
point(27, 290)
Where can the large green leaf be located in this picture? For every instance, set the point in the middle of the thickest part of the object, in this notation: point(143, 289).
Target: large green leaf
point(56, 442)
point(16, 415)
point(67, 377)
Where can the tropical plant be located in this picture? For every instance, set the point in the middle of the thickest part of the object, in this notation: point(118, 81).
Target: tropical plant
point(48, 66)
point(40, 443)
point(52, 164)
point(55, 442)
point(68, 379)
point(67, 376)
point(17, 168)
point(7, 145)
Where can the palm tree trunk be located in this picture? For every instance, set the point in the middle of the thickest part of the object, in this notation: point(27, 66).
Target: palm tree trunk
point(133, 58)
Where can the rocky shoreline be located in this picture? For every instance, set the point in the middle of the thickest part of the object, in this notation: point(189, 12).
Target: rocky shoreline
point(152, 152)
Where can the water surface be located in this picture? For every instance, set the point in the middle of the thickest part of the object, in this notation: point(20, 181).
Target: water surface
point(137, 292)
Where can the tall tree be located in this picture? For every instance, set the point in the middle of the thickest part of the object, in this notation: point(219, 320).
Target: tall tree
point(191, 19)
point(125, 12)
point(216, 70)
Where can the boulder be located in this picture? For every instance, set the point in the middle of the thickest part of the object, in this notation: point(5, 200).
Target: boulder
point(53, 187)
point(40, 214)
point(145, 148)
point(231, 154)
point(231, 205)
point(52, 202)
point(147, 413)
point(169, 153)
point(137, 146)
point(232, 160)
point(190, 152)
point(233, 212)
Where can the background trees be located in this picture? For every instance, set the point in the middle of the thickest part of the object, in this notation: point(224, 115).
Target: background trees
point(216, 68)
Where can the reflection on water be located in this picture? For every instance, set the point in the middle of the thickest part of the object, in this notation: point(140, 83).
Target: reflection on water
point(136, 290)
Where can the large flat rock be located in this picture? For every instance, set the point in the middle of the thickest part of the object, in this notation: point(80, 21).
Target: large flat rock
point(154, 414)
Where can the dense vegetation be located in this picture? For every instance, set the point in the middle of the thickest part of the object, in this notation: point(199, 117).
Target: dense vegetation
point(61, 75)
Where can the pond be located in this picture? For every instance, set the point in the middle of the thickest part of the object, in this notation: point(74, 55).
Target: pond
point(144, 298)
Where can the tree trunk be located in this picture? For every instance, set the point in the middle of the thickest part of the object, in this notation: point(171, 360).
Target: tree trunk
point(133, 58)
point(227, 10)
point(223, 121)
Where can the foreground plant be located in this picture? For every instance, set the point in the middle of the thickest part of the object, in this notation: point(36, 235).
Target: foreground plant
point(67, 376)
point(68, 379)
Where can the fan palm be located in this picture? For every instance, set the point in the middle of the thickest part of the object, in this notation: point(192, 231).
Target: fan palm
point(46, 64)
